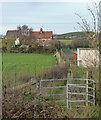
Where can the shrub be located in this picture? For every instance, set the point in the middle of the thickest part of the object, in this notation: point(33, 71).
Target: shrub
point(17, 108)
point(57, 72)
point(41, 49)
point(79, 44)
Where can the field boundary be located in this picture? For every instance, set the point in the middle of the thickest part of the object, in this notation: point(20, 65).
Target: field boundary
point(28, 84)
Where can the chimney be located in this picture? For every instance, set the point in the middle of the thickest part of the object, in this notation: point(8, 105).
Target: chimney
point(41, 30)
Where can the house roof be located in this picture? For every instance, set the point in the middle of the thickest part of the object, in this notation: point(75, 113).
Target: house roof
point(11, 33)
point(36, 34)
point(42, 34)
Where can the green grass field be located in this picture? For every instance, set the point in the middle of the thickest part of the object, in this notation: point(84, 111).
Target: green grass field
point(19, 67)
point(78, 34)
point(66, 41)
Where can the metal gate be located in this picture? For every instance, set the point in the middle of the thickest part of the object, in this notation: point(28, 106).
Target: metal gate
point(70, 93)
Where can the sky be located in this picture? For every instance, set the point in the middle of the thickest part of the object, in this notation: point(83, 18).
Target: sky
point(59, 17)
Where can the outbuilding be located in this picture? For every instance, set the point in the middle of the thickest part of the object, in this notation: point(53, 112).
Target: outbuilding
point(87, 57)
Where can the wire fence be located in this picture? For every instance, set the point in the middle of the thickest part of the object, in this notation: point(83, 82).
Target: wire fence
point(16, 77)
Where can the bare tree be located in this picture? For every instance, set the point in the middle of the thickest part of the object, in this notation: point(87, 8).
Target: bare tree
point(91, 31)
point(93, 34)
point(25, 34)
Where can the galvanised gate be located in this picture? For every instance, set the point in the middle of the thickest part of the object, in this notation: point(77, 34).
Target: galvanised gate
point(70, 93)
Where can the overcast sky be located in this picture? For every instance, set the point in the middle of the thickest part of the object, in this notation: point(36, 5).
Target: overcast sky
point(56, 16)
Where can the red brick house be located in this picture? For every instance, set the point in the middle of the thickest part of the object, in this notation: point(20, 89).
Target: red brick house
point(43, 38)
point(40, 38)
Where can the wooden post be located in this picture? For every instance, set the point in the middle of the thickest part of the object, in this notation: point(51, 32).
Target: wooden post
point(36, 87)
point(40, 87)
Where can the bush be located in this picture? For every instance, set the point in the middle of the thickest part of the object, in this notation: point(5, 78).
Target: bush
point(56, 44)
point(31, 50)
point(79, 44)
point(57, 72)
point(17, 108)
point(41, 49)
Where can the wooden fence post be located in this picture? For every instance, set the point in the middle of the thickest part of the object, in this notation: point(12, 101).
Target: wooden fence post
point(36, 87)
point(40, 87)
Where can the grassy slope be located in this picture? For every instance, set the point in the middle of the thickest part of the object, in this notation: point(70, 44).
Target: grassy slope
point(78, 34)
point(19, 65)
point(65, 41)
